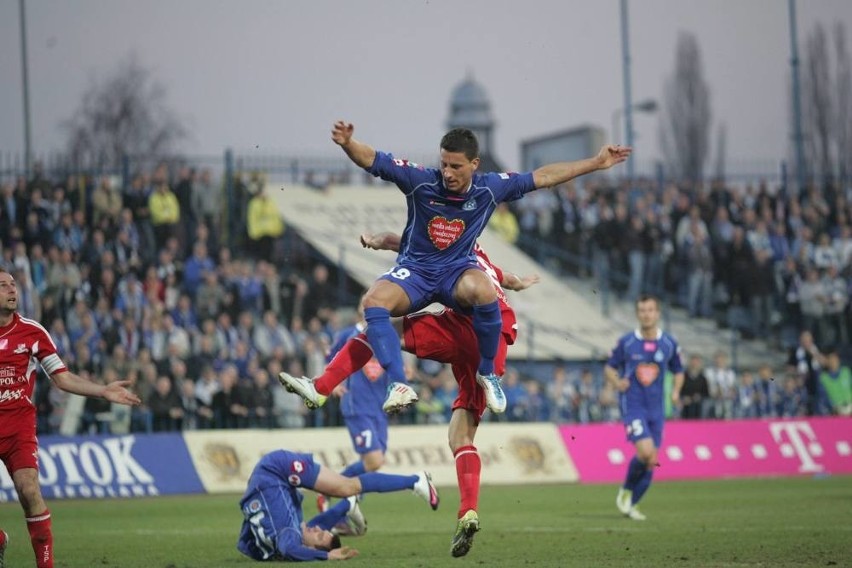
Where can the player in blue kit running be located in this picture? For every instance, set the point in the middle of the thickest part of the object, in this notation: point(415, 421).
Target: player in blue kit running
point(448, 208)
point(637, 367)
point(273, 528)
point(361, 399)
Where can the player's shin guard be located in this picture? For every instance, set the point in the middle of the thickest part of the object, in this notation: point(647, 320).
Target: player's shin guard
point(385, 342)
point(351, 358)
point(635, 470)
point(386, 482)
point(642, 485)
point(41, 537)
point(487, 324)
point(468, 469)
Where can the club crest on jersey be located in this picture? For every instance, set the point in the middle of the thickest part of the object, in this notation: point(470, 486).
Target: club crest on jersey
point(373, 370)
point(406, 164)
point(469, 205)
point(659, 356)
point(443, 232)
point(647, 373)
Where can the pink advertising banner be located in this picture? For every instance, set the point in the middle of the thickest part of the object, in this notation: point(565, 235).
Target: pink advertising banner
point(706, 449)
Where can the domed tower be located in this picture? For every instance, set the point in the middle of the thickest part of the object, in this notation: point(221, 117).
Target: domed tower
point(469, 108)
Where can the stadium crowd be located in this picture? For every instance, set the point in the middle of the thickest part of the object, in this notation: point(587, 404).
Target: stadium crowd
point(144, 282)
point(768, 262)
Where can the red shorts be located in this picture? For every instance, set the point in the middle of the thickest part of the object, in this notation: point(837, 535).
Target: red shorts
point(19, 445)
point(448, 337)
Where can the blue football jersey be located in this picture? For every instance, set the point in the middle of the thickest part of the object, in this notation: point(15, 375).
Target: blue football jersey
point(644, 363)
point(442, 226)
point(365, 389)
point(272, 507)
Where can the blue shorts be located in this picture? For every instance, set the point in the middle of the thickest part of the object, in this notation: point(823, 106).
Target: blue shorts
point(426, 285)
point(638, 425)
point(368, 433)
point(297, 469)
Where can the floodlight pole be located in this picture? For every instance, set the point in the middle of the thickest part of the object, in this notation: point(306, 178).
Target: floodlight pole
point(628, 97)
point(26, 88)
point(798, 139)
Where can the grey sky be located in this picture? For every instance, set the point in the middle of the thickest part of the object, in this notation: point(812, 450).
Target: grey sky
point(276, 74)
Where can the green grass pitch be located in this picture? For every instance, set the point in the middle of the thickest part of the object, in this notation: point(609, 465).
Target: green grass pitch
point(765, 522)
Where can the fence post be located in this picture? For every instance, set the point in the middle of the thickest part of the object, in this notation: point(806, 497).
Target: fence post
point(125, 172)
point(229, 195)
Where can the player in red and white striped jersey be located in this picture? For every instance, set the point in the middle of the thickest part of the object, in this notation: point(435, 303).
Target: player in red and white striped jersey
point(25, 344)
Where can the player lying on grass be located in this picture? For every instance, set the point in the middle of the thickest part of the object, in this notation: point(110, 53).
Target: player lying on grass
point(447, 337)
point(273, 528)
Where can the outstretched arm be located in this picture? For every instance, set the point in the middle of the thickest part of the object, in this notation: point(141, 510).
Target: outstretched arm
point(517, 283)
point(362, 154)
point(381, 241)
point(560, 172)
point(113, 392)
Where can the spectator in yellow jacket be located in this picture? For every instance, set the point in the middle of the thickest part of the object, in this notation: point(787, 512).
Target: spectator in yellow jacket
point(504, 222)
point(264, 224)
point(165, 213)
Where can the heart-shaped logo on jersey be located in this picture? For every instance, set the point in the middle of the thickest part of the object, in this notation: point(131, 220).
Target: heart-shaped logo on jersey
point(647, 373)
point(443, 232)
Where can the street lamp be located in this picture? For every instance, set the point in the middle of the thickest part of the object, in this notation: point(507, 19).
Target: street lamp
point(647, 106)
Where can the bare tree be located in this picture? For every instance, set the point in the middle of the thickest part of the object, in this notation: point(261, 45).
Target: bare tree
point(685, 124)
point(817, 108)
point(124, 114)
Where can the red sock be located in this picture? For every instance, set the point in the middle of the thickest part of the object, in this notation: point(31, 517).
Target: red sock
point(354, 355)
point(42, 539)
point(468, 467)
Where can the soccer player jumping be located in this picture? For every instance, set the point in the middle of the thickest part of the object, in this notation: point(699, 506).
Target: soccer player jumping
point(448, 208)
point(446, 337)
point(636, 367)
point(24, 344)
